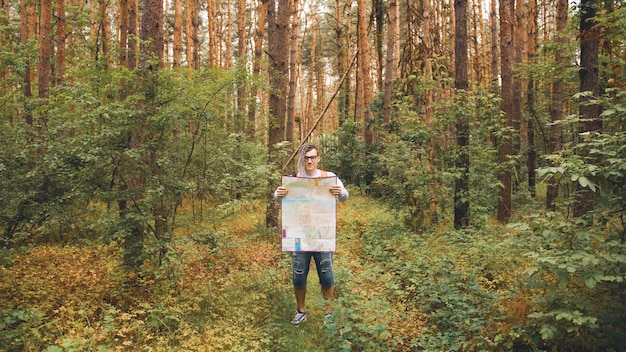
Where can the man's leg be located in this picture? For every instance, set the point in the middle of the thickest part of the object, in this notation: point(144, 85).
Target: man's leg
point(324, 264)
point(300, 298)
point(301, 262)
point(328, 293)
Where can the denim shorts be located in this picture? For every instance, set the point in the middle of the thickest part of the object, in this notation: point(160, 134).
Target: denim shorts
point(323, 262)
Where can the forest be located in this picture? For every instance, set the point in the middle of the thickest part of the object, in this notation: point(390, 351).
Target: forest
point(483, 144)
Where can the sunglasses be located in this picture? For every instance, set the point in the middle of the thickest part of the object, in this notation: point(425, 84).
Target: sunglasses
point(310, 158)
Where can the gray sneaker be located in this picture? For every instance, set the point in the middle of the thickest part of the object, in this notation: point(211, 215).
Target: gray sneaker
point(298, 318)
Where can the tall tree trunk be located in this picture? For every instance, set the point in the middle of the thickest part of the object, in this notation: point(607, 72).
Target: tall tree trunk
point(556, 105)
point(493, 20)
point(505, 149)
point(363, 107)
point(294, 70)
point(343, 100)
point(191, 29)
point(152, 34)
point(228, 56)
point(60, 62)
point(213, 28)
point(278, 38)
point(104, 32)
point(177, 47)
point(589, 82)
point(242, 93)
point(309, 106)
point(533, 46)
point(45, 48)
point(133, 34)
point(518, 44)
point(461, 84)
point(378, 12)
point(390, 63)
point(256, 64)
point(123, 28)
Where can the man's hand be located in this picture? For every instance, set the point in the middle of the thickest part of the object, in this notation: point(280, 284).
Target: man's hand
point(281, 191)
point(335, 190)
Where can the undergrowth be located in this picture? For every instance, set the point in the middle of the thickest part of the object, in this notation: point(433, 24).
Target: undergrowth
point(225, 286)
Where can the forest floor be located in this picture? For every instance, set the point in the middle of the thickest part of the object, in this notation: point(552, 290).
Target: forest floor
point(253, 283)
point(224, 285)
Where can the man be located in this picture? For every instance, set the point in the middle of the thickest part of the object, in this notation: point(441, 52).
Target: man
point(308, 158)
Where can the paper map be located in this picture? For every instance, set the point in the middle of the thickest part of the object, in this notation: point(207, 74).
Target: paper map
point(309, 215)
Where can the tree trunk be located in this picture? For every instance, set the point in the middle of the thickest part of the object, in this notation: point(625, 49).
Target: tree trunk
point(343, 100)
point(123, 32)
point(152, 34)
point(517, 43)
point(104, 32)
point(363, 107)
point(505, 143)
point(461, 84)
point(556, 105)
point(241, 62)
point(278, 50)
point(294, 70)
point(133, 34)
point(309, 109)
point(45, 48)
point(228, 55)
point(495, 72)
point(390, 63)
point(256, 65)
point(379, 15)
point(589, 82)
point(60, 63)
point(177, 46)
point(533, 46)
point(212, 26)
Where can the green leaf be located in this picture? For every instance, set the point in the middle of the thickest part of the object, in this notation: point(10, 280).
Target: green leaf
point(585, 182)
point(547, 331)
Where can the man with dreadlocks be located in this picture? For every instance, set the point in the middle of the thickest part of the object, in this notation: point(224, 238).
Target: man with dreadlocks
point(308, 158)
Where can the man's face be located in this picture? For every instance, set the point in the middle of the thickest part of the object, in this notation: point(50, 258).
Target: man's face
point(310, 161)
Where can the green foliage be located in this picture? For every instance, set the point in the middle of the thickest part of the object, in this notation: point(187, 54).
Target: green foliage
point(574, 283)
point(18, 327)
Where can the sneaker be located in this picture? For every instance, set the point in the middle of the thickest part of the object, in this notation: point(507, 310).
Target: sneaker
point(329, 322)
point(298, 318)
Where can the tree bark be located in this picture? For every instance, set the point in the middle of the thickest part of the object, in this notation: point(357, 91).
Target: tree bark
point(532, 48)
point(365, 92)
point(212, 26)
point(133, 34)
point(341, 38)
point(123, 30)
point(495, 72)
point(556, 105)
point(294, 70)
point(152, 34)
point(278, 50)
point(589, 82)
point(379, 15)
point(60, 62)
point(104, 32)
point(256, 65)
point(177, 45)
point(241, 62)
point(505, 143)
point(227, 59)
point(461, 84)
point(45, 48)
point(390, 63)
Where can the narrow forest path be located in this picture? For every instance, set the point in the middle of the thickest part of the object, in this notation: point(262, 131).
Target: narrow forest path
point(252, 300)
